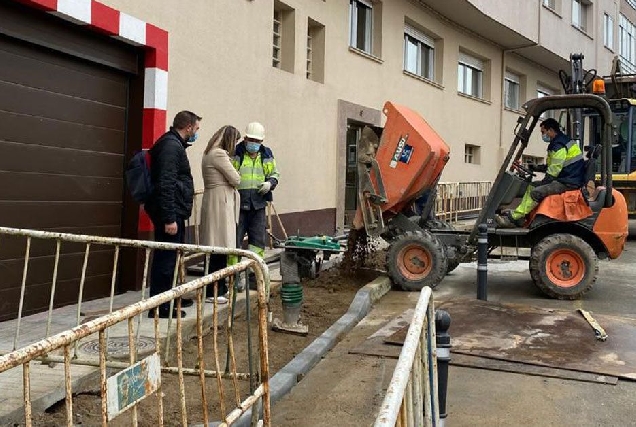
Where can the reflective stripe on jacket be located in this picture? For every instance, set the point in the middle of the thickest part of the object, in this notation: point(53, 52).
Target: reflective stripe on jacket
point(253, 173)
point(565, 161)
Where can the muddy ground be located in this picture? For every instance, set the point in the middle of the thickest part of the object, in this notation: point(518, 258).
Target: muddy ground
point(325, 300)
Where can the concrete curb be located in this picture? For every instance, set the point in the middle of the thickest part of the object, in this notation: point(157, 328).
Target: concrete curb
point(285, 379)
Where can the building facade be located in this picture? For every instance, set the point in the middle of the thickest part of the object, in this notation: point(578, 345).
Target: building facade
point(85, 84)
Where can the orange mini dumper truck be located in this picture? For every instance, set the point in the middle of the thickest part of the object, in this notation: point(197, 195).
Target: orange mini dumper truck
point(567, 233)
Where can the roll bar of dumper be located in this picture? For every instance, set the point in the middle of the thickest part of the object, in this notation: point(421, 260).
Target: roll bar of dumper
point(526, 124)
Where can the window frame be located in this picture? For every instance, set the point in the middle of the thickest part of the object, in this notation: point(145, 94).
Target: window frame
point(354, 6)
point(277, 35)
point(608, 31)
point(471, 154)
point(424, 45)
point(514, 80)
point(627, 43)
point(309, 59)
point(467, 63)
point(582, 16)
point(544, 91)
point(551, 4)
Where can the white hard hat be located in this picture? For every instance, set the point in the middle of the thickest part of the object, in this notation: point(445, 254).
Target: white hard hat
point(255, 130)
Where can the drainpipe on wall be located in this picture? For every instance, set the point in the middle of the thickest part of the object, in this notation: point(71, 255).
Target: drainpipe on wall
point(503, 96)
point(503, 74)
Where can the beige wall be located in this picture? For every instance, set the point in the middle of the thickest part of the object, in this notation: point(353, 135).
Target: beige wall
point(220, 67)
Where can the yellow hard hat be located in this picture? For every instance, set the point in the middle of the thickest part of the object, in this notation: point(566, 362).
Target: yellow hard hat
point(255, 130)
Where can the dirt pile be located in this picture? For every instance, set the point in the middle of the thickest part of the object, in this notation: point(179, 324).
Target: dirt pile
point(325, 299)
point(362, 253)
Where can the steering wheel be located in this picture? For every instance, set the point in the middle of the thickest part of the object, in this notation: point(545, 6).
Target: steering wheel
point(523, 172)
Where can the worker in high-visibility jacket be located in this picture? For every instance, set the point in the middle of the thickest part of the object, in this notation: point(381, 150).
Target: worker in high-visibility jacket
point(564, 170)
point(259, 177)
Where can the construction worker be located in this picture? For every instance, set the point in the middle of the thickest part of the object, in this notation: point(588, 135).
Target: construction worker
point(564, 170)
point(259, 177)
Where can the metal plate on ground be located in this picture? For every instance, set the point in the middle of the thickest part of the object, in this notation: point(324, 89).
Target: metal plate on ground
point(537, 336)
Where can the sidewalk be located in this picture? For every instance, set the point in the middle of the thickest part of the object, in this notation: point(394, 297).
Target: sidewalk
point(47, 381)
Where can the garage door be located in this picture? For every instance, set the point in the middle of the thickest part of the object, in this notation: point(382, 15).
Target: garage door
point(62, 145)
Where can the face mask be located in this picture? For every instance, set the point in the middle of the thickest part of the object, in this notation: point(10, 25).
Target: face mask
point(192, 138)
point(252, 147)
point(545, 137)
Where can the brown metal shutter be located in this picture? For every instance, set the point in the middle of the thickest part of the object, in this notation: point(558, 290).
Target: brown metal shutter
point(62, 145)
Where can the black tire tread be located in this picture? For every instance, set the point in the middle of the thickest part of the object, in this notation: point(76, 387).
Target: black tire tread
point(555, 241)
point(438, 255)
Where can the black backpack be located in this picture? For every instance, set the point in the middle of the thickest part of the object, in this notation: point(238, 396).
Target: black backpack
point(138, 177)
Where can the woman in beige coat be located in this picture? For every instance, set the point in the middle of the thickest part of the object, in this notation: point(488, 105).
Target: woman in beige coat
point(221, 201)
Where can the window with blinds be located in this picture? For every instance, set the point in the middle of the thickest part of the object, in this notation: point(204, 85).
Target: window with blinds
point(419, 53)
point(470, 75)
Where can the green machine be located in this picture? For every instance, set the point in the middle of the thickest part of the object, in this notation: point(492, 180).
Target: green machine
point(302, 258)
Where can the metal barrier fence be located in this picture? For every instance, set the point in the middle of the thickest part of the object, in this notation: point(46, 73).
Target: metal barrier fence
point(142, 378)
point(412, 395)
point(458, 199)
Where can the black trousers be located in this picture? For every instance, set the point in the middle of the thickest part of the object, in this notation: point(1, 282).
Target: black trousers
point(254, 223)
point(217, 262)
point(164, 261)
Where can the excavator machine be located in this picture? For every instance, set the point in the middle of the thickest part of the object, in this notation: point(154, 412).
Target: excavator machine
point(567, 234)
point(619, 88)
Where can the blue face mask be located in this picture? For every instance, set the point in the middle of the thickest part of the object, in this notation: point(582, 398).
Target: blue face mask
point(545, 137)
point(192, 138)
point(252, 147)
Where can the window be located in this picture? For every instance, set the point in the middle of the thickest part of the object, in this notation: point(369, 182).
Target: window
point(550, 3)
point(471, 154)
point(419, 53)
point(511, 91)
point(627, 44)
point(361, 34)
point(526, 160)
point(278, 17)
point(315, 69)
point(541, 92)
point(470, 75)
point(580, 13)
point(283, 37)
point(608, 31)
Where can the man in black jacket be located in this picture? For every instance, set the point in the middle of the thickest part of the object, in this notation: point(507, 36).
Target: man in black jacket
point(171, 201)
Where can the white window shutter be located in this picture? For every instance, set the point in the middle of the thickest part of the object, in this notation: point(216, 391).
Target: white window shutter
point(471, 61)
point(512, 77)
point(417, 34)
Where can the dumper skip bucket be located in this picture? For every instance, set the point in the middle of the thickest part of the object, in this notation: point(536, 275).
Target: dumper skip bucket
point(409, 161)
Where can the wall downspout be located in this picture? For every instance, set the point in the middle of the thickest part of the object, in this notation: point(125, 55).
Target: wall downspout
point(503, 75)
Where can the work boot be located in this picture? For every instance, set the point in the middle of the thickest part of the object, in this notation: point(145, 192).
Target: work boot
point(507, 221)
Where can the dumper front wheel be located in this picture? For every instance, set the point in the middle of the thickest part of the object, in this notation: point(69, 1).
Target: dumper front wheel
point(415, 260)
point(563, 266)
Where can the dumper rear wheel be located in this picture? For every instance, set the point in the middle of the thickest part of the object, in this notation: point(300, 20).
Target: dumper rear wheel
point(416, 259)
point(563, 266)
